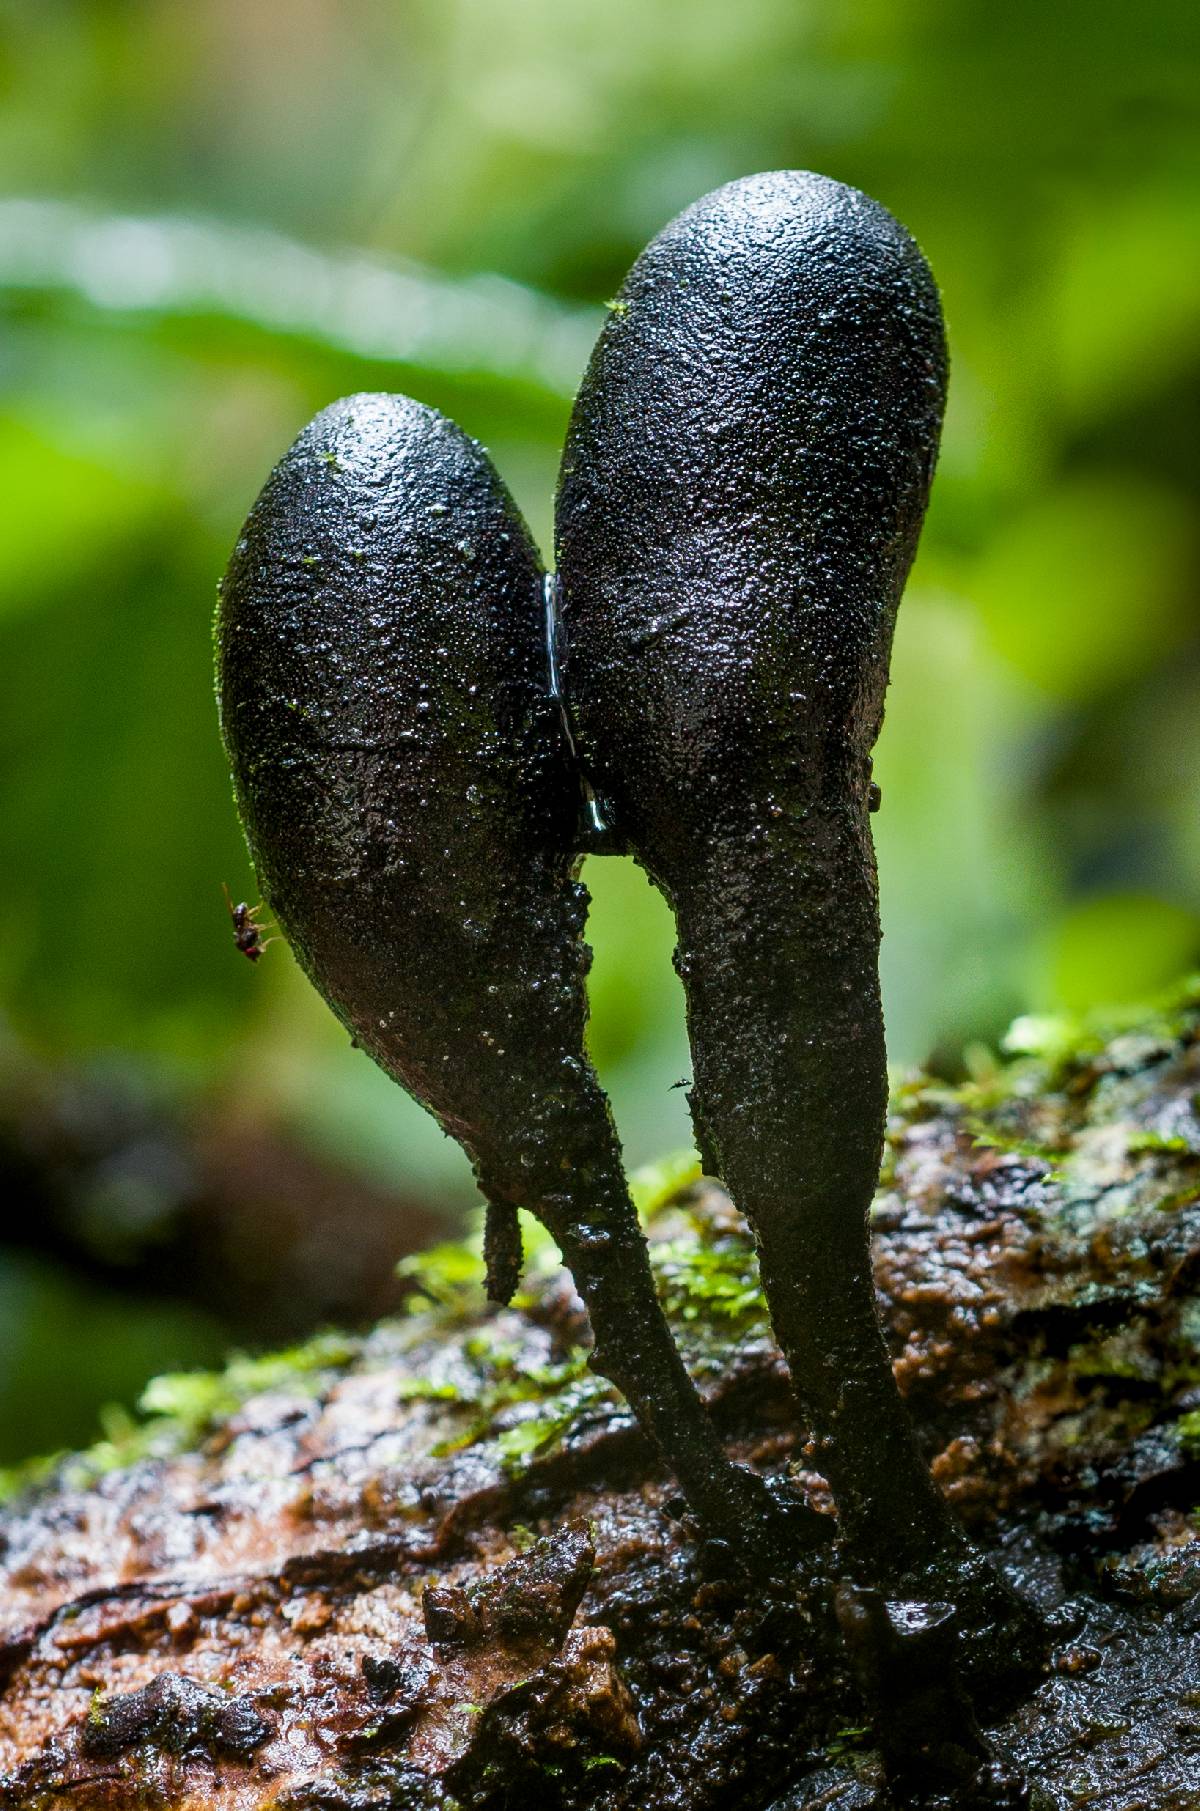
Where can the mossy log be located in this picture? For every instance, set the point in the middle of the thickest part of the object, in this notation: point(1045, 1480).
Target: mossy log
point(438, 1565)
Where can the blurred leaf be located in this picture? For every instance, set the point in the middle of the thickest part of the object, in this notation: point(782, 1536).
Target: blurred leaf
point(1090, 584)
point(112, 928)
point(70, 1347)
point(656, 1185)
point(371, 307)
point(1119, 947)
point(1124, 303)
point(64, 514)
point(962, 876)
point(636, 1033)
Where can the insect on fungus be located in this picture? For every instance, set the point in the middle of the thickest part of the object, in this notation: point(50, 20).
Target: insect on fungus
point(247, 932)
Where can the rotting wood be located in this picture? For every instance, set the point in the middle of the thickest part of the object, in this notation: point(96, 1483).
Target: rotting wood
point(439, 1564)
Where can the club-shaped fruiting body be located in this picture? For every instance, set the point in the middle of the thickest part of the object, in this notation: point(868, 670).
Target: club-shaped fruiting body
point(410, 801)
point(399, 768)
point(742, 489)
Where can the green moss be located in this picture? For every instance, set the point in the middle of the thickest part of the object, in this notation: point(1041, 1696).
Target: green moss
point(447, 1275)
point(423, 1389)
point(717, 1281)
point(1179, 1198)
point(1155, 1141)
point(527, 1410)
point(556, 1395)
point(195, 1401)
point(28, 1474)
point(536, 1438)
point(657, 1186)
point(986, 1136)
point(450, 1275)
point(1188, 1428)
point(1066, 1042)
point(852, 1740)
point(1122, 1356)
point(179, 1409)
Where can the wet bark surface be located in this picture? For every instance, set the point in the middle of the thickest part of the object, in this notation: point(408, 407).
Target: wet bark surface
point(439, 1565)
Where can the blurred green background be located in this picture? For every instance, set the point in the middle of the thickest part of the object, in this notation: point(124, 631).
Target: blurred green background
point(216, 218)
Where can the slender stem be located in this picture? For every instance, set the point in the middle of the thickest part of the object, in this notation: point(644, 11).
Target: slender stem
point(779, 956)
point(586, 1206)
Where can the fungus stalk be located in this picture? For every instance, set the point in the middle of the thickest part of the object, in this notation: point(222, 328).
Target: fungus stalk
point(587, 1208)
point(790, 1093)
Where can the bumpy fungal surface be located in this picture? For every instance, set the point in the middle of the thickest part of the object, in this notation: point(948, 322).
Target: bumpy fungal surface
point(399, 769)
point(742, 490)
point(405, 783)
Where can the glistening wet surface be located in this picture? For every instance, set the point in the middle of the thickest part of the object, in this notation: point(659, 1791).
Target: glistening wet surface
point(233, 1609)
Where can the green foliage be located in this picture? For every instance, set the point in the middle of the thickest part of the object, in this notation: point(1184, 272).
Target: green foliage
point(656, 1185)
point(449, 1274)
point(987, 1137)
point(193, 1401)
point(161, 352)
point(68, 1342)
point(717, 1283)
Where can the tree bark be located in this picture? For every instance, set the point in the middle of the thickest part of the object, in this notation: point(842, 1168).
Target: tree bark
point(438, 1565)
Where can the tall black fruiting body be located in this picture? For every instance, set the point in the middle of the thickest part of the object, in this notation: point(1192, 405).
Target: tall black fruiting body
point(411, 806)
point(743, 486)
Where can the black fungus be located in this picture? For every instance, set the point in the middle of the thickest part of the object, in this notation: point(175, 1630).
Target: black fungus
point(742, 490)
point(412, 808)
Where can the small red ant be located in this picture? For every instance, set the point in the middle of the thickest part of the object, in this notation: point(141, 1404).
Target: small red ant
point(247, 933)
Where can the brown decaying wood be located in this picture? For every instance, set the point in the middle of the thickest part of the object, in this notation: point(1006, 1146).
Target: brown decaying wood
point(313, 1608)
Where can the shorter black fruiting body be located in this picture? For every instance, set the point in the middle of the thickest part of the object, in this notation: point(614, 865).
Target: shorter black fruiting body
point(411, 808)
point(399, 768)
point(742, 490)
